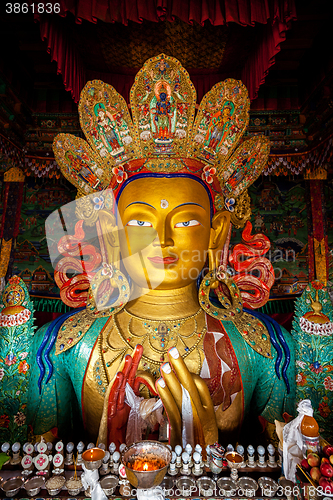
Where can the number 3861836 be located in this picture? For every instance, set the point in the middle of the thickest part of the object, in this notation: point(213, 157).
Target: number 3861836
point(35, 8)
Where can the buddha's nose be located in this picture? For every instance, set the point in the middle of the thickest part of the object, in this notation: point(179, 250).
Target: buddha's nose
point(165, 236)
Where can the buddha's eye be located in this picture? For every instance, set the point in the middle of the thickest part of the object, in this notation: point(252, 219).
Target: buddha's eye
point(140, 223)
point(188, 223)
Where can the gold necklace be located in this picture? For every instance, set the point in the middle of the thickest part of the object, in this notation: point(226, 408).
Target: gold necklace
point(161, 332)
point(159, 329)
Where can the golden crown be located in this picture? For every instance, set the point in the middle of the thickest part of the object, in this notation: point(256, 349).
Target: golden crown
point(164, 134)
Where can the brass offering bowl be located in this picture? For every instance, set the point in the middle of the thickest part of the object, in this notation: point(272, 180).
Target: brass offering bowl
point(55, 490)
point(147, 450)
point(268, 486)
point(73, 486)
point(234, 460)
point(167, 485)
point(227, 487)
point(93, 458)
point(109, 484)
point(206, 486)
point(33, 485)
point(12, 486)
point(186, 485)
point(248, 486)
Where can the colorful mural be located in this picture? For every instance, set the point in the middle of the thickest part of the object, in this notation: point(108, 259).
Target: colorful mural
point(32, 261)
point(279, 211)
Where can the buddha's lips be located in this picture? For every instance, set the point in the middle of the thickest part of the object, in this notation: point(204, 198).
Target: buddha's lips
point(165, 260)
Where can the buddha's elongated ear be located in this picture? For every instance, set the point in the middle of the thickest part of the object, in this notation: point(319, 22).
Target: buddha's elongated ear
point(109, 237)
point(218, 235)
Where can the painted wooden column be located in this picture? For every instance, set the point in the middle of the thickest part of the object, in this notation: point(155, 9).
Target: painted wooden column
point(317, 233)
point(10, 223)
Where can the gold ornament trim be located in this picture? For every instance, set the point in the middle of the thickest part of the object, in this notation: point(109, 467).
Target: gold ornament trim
point(254, 333)
point(72, 331)
point(232, 309)
point(117, 280)
point(240, 210)
point(84, 210)
point(133, 339)
point(163, 331)
point(13, 296)
point(252, 330)
point(319, 173)
point(14, 174)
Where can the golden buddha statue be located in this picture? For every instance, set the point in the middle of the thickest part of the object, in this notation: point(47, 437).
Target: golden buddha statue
point(161, 211)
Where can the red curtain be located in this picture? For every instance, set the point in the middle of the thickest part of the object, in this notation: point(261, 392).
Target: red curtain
point(62, 50)
point(218, 12)
point(203, 80)
point(43, 317)
point(274, 15)
point(261, 59)
point(284, 319)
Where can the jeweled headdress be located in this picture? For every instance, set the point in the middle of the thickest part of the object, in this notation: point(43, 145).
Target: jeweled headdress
point(165, 136)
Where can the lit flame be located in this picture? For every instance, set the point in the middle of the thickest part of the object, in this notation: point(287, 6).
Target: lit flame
point(145, 466)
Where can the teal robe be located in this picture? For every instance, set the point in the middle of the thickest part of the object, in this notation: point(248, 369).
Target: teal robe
point(59, 402)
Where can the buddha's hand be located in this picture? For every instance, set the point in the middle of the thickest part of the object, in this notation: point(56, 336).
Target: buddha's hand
point(175, 378)
point(118, 410)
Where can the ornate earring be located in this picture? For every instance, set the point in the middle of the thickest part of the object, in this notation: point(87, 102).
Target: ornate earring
point(103, 284)
point(231, 308)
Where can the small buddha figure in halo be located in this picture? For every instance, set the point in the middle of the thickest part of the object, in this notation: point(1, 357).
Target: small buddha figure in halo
point(162, 334)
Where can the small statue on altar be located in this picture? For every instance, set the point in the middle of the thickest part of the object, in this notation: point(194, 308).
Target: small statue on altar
point(219, 127)
point(162, 112)
point(107, 128)
point(82, 170)
point(163, 226)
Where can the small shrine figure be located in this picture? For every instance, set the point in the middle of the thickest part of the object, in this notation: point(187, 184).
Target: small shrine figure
point(219, 127)
point(162, 110)
point(162, 66)
point(82, 169)
point(244, 166)
point(108, 131)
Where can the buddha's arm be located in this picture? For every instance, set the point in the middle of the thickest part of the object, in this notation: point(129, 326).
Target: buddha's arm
point(53, 404)
point(271, 397)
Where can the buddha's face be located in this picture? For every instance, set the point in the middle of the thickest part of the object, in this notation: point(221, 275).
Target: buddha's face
point(167, 220)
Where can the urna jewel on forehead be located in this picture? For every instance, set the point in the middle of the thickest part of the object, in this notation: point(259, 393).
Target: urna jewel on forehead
point(163, 136)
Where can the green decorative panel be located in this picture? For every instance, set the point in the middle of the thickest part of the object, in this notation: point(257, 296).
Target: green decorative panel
point(313, 332)
point(16, 332)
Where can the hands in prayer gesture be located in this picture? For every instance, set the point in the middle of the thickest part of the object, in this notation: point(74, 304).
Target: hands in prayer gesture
point(175, 377)
point(118, 410)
